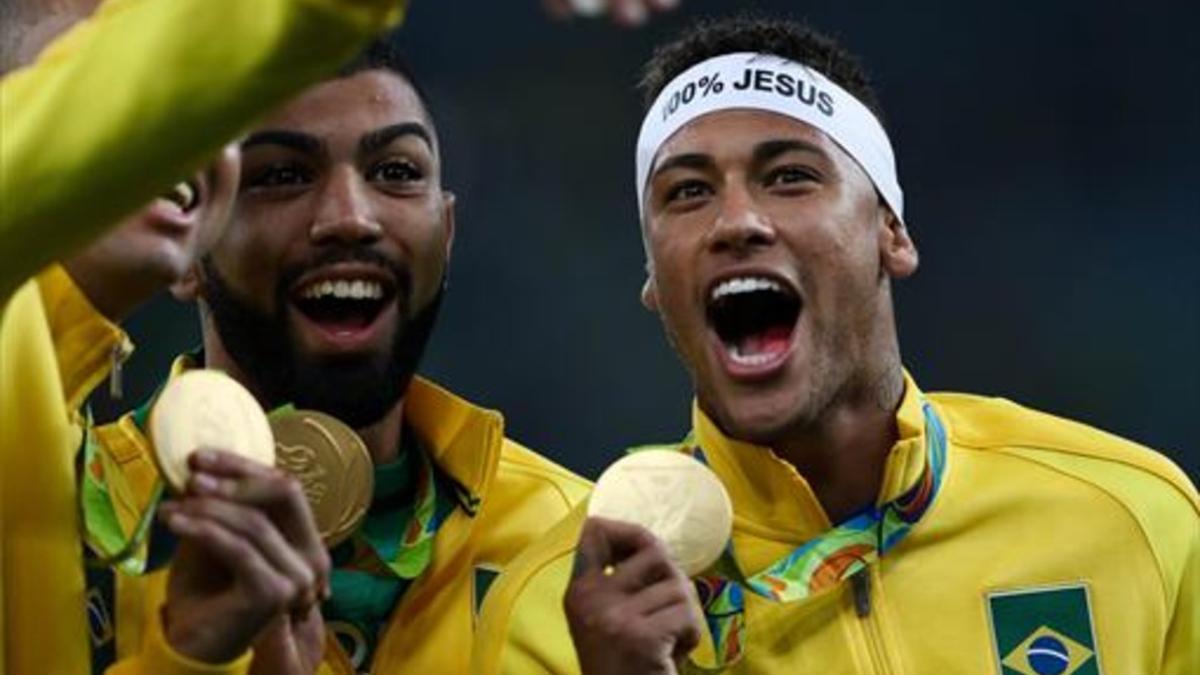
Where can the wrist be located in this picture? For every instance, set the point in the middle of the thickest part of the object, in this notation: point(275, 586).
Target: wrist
point(203, 642)
point(159, 656)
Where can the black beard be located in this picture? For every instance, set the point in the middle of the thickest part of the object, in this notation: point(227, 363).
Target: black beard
point(357, 390)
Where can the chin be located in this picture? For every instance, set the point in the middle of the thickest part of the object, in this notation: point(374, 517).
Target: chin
point(760, 415)
point(761, 425)
point(161, 256)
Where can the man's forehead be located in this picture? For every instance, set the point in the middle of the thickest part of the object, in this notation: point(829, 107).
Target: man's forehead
point(740, 132)
point(350, 107)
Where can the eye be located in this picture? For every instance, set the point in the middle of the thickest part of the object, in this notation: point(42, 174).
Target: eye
point(687, 190)
point(790, 175)
point(395, 171)
point(282, 174)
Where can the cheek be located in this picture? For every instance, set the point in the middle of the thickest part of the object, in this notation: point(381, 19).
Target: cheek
point(249, 255)
point(844, 281)
point(425, 247)
point(208, 232)
point(676, 307)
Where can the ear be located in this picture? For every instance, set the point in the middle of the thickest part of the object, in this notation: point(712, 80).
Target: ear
point(187, 287)
point(896, 248)
point(650, 290)
point(448, 203)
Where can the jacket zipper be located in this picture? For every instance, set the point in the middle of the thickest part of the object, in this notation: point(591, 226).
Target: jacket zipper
point(860, 583)
point(116, 384)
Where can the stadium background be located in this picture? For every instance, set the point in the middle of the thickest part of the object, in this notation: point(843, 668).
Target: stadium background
point(1050, 155)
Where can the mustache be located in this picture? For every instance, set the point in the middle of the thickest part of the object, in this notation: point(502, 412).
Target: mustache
point(333, 255)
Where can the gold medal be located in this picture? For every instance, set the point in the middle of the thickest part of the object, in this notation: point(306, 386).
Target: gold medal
point(333, 466)
point(206, 409)
point(681, 501)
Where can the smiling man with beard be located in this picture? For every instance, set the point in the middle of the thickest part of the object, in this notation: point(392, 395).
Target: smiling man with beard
point(308, 351)
point(322, 294)
point(877, 528)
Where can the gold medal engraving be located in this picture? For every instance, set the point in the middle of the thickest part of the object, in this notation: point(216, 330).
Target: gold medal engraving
point(674, 496)
point(206, 409)
point(333, 466)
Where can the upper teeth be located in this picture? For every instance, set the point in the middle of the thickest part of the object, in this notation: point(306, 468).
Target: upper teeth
point(745, 285)
point(357, 289)
point(183, 194)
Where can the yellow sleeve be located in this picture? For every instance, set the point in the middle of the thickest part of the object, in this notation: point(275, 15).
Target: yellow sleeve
point(522, 627)
point(158, 658)
point(139, 96)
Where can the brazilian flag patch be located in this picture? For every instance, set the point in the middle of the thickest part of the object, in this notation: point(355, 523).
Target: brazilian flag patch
point(1044, 631)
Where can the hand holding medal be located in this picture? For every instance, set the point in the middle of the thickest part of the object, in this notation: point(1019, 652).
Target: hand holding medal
point(207, 409)
point(250, 556)
point(656, 517)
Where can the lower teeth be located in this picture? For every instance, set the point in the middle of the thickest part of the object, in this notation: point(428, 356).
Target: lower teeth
point(748, 359)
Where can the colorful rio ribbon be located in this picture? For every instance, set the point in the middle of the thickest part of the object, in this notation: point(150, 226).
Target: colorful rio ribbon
point(405, 544)
point(823, 562)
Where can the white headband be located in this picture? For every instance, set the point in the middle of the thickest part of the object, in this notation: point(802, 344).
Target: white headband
point(775, 84)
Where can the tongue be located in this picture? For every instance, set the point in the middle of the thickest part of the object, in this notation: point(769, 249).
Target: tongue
point(348, 323)
point(770, 342)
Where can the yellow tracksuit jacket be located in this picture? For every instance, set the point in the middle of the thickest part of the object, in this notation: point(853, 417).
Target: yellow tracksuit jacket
point(516, 496)
point(120, 107)
point(1051, 548)
point(54, 348)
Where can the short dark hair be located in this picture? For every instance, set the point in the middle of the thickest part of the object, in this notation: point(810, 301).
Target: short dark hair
point(789, 39)
point(384, 54)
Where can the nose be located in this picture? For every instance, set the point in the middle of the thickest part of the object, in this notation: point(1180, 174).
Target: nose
point(741, 226)
point(344, 212)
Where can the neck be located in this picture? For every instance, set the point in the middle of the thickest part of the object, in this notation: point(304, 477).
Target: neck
point(381, 438)
point(843, 454)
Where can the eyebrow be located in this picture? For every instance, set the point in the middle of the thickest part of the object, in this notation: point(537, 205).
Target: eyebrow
point(380, 138)
point(769, 150)
point(763, 153)
point(692, 160)
point(288, 139)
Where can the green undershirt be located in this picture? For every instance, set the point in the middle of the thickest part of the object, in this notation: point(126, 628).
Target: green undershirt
point(365, 589)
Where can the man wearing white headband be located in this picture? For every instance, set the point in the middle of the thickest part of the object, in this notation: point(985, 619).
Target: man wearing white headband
point(876, 528)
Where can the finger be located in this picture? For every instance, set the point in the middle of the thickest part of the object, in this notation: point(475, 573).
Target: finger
point(281, 499)
point(228, 465)
point(646, 567)
point(257, 529)
point(660, 596)
point(623, 539)
point(678, 621)
point(263, 587)
point(592, 552)
point(229, 476)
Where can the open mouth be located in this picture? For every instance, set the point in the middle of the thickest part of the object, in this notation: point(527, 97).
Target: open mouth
point(343, 306)
point(754, 317)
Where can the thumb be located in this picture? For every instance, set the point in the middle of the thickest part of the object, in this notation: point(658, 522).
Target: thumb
point(593, 551)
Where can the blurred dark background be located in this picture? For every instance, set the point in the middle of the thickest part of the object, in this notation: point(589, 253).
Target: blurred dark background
point(1050, 156)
